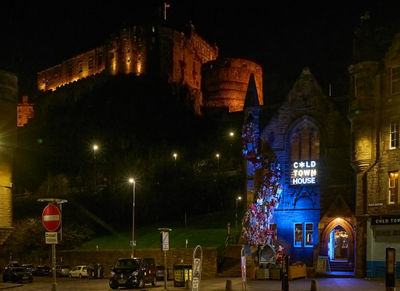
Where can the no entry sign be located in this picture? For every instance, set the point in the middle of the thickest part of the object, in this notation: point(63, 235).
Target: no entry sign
point(51, 217)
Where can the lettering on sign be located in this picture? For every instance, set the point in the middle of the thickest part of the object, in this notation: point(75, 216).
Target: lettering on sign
point(385, 220)
point(303, 173)
point(51, 237)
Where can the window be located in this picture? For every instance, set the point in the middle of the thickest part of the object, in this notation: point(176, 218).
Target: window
point(303, 234)
point(395, 80)
point(90, 63)
point(304, 143)
point(393, 187)
point(394, 135)
point(80, 67)
point(298, 234)
point(308, 239)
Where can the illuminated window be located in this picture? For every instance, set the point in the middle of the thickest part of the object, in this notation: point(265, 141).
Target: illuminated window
point(304, 142)
point(308, 239)
point(298, 234)
point(395, 80)
point(393, 187)
point(394, 135)
point(80, 67)
point(90, 63)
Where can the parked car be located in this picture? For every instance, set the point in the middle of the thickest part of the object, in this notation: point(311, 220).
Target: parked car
point(30, 267)
point(42, 270)
point(135, 272)
point(80, 271)
point(17, 274)
point(62, 270)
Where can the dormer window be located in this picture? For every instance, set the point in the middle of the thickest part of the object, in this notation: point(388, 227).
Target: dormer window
point(395, 80)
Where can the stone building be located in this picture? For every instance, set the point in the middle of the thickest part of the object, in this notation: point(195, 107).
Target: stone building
point(25, 111)
point(8, 104)
point(374, 116)
point(310, 138)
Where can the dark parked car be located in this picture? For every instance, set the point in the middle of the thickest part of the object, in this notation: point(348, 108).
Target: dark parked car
point(17, 274)
point(132, 273)
point(42, 271)
point(62, 270)
point(31, 268)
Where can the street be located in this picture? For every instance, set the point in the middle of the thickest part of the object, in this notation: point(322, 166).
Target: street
point(217, 284)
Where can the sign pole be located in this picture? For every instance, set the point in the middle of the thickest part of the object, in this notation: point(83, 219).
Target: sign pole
point(51, 219)
point(53, 252)
point(164, 237)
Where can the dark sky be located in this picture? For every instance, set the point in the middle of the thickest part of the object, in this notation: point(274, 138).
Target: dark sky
point(283, 36)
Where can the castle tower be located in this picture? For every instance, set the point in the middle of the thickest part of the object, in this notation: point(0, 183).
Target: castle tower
point(226, 82)
point(8, 123)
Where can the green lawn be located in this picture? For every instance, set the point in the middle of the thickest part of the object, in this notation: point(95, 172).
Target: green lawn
point(207, 230)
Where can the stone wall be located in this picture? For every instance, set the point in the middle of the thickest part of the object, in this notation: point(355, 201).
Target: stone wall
point(108, 258)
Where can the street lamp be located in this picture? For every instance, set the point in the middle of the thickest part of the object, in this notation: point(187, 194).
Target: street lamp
point(231, 134)
point(133, 243)
point(217, 156)
point(175, 155)
point(95, 147)
point(239, 198)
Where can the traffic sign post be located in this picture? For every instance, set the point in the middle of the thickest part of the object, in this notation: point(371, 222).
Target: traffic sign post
point(164, 233)
point(51, 217)
point(51, 220)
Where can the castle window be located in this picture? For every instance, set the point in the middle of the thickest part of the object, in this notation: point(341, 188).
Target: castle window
point(90, 63)
point(304, 143)
point(393, 187)
point(80, 67)
point(395, 80)
point(394, 135)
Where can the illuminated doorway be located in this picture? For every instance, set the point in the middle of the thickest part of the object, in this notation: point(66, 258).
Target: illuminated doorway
point(338, 246)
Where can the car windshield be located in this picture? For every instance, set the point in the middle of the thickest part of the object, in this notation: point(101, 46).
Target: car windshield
point(19, 269)
point(127, 264)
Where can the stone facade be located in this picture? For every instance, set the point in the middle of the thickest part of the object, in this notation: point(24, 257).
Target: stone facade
point(374, 115)
point(308, 134)
point(24, 111)
point(226, 81)
point(8, 105)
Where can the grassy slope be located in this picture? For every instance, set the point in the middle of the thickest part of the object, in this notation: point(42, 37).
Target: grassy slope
point(206, 230)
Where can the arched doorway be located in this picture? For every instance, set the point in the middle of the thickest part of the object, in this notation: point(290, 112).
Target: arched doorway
point(338, 246)
point(337, 242)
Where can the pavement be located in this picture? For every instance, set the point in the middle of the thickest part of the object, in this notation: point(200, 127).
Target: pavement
point(216, 284)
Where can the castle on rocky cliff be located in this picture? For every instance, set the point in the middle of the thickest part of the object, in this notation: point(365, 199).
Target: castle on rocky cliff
point(183, 58)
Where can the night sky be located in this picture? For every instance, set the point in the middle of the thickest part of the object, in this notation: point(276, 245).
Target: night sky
point(283, 36)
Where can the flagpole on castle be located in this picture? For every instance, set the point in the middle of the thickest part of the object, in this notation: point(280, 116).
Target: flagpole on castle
point(166, 5)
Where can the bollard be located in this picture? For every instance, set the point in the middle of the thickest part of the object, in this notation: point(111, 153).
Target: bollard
point(228, 285)
point(314, 285)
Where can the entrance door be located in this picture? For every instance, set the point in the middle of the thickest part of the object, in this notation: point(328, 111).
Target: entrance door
point(338, 244)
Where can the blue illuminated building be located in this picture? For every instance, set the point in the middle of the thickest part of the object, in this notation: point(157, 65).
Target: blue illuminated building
point(310, 138)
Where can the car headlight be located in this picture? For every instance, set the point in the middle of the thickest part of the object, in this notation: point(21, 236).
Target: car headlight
point(135, 273)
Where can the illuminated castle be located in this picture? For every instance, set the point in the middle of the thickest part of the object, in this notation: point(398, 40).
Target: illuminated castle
point(182, 58)
point(8, 100)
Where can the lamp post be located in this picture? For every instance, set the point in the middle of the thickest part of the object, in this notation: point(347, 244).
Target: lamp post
point(95, 148)
point(133, 243)
point(175, 155)
point(236, 206)
point(217, 156)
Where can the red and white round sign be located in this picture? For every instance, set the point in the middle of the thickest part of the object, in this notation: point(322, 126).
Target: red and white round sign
point(51, 217)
